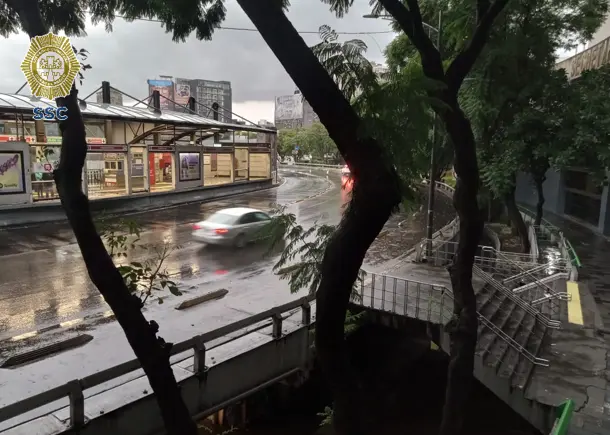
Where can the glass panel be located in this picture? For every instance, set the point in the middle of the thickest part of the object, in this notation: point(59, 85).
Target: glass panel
point(581, 180)
point(240, 163)
point(19, 129)
point(260, 166)
point(106, 175)
point(43, 159)
point(138, 168)
point(217, 168)
point(94, 130)
point(160, 172)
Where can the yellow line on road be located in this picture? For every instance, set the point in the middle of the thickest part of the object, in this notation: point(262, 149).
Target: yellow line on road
point(433, 346)
point(574, 304)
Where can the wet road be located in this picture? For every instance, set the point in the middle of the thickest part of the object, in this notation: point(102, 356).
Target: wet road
point(44, 281)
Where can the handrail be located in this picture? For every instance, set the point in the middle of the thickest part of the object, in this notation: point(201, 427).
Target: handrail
point(573, 252)
point(517, 300)
point(533, 270)
point(74, 389)
point(564, 417)
point(523, 271)
point(494, 328)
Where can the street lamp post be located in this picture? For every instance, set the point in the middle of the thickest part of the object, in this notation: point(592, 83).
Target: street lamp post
point(431, 187)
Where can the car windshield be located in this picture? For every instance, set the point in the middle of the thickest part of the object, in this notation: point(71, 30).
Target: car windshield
point(222, 218)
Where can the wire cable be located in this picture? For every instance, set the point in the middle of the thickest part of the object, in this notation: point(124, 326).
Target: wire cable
point(247, 29)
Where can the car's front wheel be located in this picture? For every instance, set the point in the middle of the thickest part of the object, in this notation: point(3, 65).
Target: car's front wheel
point(240, 241)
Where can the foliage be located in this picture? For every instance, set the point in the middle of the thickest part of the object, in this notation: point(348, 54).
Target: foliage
point(301, 260)
point(82, 55)
point(345, 62)
point(394, 108)
point(588, 124)
point(312, 140)
point(141, 278)
point(327, 416)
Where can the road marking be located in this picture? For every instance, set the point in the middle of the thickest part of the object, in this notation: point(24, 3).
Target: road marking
point(433, 345)
point(574, 304)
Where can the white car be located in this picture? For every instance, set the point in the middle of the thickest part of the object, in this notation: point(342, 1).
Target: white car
point(345, 171)
point(231, 227)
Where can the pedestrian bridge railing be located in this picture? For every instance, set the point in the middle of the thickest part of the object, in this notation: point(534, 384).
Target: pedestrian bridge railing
point(74, 389)
point(431, 303)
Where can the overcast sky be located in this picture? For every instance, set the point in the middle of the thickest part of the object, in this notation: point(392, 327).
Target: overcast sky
point(141, 50)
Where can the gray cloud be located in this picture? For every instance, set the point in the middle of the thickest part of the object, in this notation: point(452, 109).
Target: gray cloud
point(136, 51)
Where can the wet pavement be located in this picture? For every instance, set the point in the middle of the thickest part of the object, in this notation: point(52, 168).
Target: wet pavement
point(44, 281)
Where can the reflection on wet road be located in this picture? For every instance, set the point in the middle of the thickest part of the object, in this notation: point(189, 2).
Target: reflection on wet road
point(44, 281)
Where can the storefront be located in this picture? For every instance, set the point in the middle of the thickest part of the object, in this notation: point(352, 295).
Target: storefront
point(161, 168)
point(131, 151)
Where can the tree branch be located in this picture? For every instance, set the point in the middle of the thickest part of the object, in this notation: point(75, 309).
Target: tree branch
point(151, 351)
point(463, 63)
point(410, 21)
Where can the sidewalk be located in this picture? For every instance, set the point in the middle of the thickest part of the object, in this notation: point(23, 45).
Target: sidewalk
point(594, 252)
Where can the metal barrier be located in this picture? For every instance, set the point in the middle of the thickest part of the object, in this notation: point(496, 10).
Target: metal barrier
point(564, 417)
point(74, 389)
point(544, 319)
point(313, 165)
point(428, 302)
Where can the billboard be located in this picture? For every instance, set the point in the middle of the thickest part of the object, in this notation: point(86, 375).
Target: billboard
point(166, 89)
point(288, 107)
point(182, 91)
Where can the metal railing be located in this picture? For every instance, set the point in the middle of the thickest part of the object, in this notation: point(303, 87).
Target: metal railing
point(74, 389)
point(422, 303)
point(544, 319)
point(313, 165)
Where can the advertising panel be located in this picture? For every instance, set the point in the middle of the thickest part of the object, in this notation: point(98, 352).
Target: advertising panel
point(12, 174)
point(166, 89)
point(190, 167)
point(182, 91)
point(289, 107)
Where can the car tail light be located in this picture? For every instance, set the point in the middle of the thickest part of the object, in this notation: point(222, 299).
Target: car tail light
point(197, 227)
point(221, 231)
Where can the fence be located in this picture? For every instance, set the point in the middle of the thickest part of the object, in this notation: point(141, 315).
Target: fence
point(425, 301)
point(74, 389)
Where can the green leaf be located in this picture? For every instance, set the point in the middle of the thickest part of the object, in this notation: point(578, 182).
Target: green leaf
point(174, 290)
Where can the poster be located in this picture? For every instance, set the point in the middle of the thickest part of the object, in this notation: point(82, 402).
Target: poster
point(190, 167)
point(182, 91)
point(166, 91)
point(11, 172)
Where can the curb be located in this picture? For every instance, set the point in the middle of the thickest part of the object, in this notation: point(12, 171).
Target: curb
point(216, 294)
point(48, 350)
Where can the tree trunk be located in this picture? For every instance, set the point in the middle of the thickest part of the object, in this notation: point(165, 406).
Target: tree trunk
point(463, 327)
point(539, 181)
point(151, 351)
point(375, 195)
point(515, 217)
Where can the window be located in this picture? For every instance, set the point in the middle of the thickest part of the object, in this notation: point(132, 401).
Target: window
point(260, 166)
point(217, 168)
point(94, 130)
point(222, 218)
point(106, 175)
point(43, 159)
point(161, 171)
point(261, 217)
point(248, 219)
point(240, 163)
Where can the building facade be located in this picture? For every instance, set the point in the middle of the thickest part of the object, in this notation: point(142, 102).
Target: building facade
point(573, 192)
point(208, 92)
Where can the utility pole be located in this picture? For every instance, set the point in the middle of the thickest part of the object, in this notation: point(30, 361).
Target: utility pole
point(431, 181)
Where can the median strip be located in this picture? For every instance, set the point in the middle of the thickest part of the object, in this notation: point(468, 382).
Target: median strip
point(44, 351)
point(213, 295)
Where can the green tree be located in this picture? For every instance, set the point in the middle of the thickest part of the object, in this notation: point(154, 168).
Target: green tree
point(312, 140)
point(513, 72)
point(376, 192)
point(36, 19)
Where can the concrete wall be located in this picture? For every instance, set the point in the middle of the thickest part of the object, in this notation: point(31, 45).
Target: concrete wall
point(219, 384)
point(553, 188)
point(46, 212)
